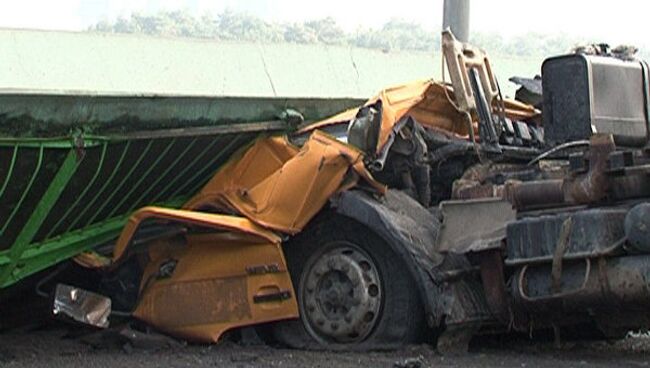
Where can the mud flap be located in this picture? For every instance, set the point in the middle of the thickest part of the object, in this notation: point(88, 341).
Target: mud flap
point(229, 274)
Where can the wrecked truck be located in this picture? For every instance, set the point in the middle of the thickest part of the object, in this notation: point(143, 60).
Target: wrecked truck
point(434, 210)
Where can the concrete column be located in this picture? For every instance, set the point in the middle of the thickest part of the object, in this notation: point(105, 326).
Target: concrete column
point(456, 17)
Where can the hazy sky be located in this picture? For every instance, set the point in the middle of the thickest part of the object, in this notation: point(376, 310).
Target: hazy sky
point(621, 21)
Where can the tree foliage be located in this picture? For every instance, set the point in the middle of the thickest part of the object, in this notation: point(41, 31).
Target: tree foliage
point(395, 35)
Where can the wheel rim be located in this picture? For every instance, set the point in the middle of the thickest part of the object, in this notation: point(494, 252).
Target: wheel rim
point(341, 294)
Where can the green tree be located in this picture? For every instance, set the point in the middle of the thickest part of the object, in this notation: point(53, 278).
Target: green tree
point(298, 33)
point(396, 34)
point(327, 31)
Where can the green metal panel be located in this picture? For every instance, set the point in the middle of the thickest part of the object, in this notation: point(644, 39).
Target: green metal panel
point(63, 196)
point(41, 211)
point(40, 256)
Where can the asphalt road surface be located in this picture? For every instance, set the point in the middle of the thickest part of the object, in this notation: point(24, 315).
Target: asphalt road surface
point(59, 347)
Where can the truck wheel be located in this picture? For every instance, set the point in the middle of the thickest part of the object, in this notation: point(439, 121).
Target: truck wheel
point(353, 291)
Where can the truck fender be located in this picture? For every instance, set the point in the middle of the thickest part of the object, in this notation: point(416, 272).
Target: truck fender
point(410, 230)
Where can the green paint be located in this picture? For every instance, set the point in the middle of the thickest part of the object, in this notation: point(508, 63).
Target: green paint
point(124, 180)
point(42, 256)
point(181, 175)
point(142, 177)
point(163, 175)
point(26, 191)
point(9, 171)
point(30, 252)
point(25, 258)
point(101, 191)
point(83, 193)
point(41, 211)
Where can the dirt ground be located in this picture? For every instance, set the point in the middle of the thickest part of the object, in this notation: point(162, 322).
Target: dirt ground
point(57, 347)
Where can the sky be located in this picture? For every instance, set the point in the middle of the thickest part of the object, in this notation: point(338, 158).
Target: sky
point(621, 21)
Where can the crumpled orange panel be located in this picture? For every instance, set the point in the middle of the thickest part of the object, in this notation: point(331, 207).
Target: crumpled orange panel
point(214, 286)
point(210, 290)
point(428, 102)
point(246, 170)
point(281, 188)
point(209, 287)
point(209, 220)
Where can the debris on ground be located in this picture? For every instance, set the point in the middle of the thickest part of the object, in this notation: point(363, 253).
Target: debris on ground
point(410, 363)
point(128, 339)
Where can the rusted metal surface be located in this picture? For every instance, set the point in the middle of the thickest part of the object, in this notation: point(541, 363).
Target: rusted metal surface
point(466, 190)
point(637, 227)
point(593, 232)
point(636, 185)
point(535, 193)
point(585, 188)
point(221, 300)
point(494, 284)
point(560, 249)
point(598, 285)
point(490, 179)
point(465, 303)
point(592, 187)
point(564, 262)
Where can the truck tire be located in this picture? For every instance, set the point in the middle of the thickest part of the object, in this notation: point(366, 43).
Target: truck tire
point(353, 291)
